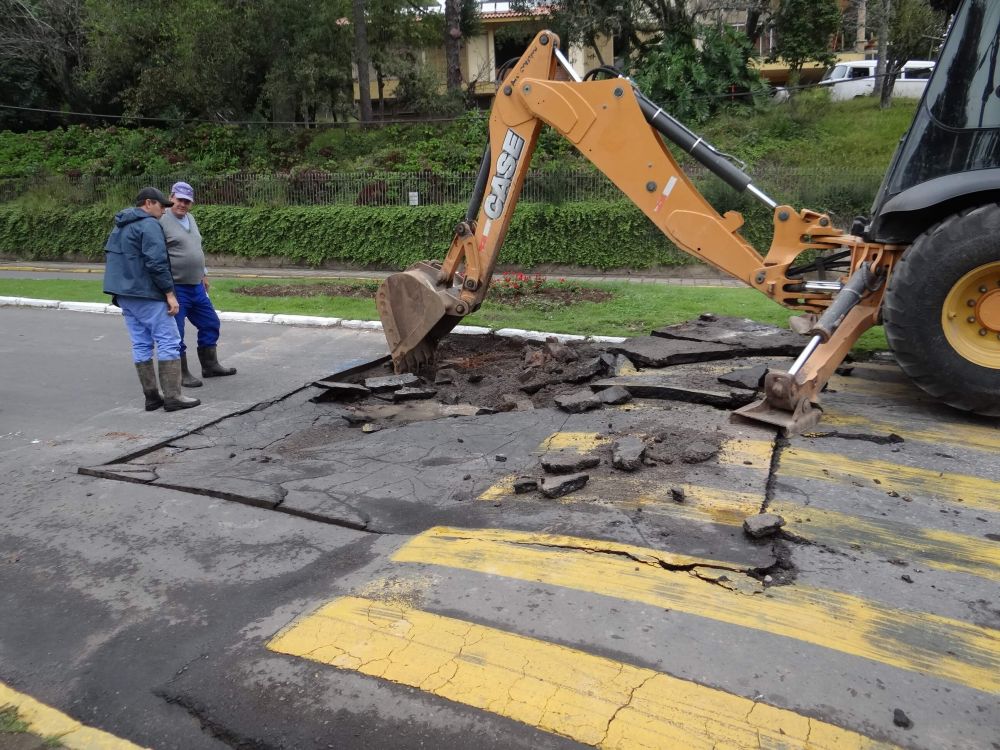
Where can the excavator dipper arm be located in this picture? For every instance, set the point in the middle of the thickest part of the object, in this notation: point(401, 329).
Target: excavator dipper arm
point(618, 129)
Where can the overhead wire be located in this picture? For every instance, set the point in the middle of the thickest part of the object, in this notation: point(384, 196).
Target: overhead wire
point(300, 123)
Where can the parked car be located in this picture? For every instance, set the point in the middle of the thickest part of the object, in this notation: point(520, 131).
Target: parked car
point(850, 79)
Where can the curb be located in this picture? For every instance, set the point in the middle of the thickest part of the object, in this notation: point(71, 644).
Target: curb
point(310, 321)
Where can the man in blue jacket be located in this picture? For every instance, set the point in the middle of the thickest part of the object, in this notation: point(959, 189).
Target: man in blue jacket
point(137, 276)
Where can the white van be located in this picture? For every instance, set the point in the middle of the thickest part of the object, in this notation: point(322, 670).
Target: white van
point(850, 79)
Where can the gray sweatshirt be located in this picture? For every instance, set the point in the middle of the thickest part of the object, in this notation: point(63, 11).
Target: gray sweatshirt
point(187, 259)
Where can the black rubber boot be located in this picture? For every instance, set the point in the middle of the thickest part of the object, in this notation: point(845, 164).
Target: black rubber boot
point(170, 382)
point(187, 379)
point(210, 367)
point(147, 376)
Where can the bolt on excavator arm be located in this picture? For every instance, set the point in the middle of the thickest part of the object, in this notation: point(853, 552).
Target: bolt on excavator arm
point(619, 129)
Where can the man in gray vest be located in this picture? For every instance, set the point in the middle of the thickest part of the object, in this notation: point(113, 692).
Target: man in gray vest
point(137, 276)
point(187, 263)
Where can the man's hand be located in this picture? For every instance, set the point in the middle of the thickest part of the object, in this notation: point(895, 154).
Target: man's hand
point(204, 280)
point(172, 307)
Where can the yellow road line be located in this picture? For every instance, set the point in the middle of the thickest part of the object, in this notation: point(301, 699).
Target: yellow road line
point(943, 550)
point(918, 642)
point(47, 722)
point(894, 389)
point(579, 442)
point(974, 492)
point(746, 452)
point(590, 699)
point(964, 435)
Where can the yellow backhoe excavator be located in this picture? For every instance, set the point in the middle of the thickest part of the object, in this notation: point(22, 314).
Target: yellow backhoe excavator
point(927, 263)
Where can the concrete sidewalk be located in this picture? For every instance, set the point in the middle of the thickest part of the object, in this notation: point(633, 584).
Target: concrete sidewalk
point(700, 275)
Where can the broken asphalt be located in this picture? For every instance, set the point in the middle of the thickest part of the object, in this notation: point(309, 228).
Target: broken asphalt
point(263, 572)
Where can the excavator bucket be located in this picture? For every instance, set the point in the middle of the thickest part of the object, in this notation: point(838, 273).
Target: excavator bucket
point(414, 306)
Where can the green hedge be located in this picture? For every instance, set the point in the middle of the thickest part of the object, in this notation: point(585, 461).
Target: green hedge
point(602, 235)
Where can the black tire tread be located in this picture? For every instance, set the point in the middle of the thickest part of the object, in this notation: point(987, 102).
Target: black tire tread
point(924, 355)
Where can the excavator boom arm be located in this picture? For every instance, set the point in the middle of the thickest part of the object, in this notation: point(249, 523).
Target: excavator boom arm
point(618, 129)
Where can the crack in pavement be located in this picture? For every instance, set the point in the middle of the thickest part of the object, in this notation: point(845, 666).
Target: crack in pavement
point(891, 439)
point(623, 706)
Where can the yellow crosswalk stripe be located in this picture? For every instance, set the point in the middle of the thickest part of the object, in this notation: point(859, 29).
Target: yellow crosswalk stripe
point(971, 491)
point(590, 699)
point(915, 641)
point(45, 721)
point(943, 550)
point(964, 435)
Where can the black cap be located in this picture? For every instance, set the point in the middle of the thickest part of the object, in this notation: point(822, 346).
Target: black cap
point(152, 194)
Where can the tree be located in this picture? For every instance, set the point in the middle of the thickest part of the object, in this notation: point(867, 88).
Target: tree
point(41, 49)
point(692, 83)
point(453, 43)
point(805, 30)
point(361, 60)
point(914, 31)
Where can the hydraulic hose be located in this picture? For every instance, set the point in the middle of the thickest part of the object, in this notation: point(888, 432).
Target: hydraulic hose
point(700, 149)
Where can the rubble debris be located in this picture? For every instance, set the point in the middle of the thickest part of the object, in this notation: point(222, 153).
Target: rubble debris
point(525, 484)
point(750, 378)
point(578, 402)
point(334, 391)
point(677, 494)
point(614, 395)
point(698, 451)
point(512, 402)
point(746, 336)
point(412, 394)
point(391, 382)
point(900, 719)
point(656, 351)
point(560, 351)
point(586, 370)
point(763, 524)
point(673, 388)
point(567, 463)
point(371, 427)
point(626, 453)
point(500, 458)
point(708, 317)
point(557, 486)
point(906, 578)
point(445, 376)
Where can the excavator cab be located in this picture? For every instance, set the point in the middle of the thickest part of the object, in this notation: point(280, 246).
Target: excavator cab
point(939, 197)
point(927, 262)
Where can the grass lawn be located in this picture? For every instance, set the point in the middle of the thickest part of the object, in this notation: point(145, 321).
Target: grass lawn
point(634, 310)
point(11, 723)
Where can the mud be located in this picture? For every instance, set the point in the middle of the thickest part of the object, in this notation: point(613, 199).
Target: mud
point(495, 373)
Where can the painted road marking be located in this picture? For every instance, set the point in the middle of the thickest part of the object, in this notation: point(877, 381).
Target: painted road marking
point(708, 502)
point(943, 550)
point(897, 390)
point(590, 699)
point(974, 492)
point(953, 433)
point(47, 722)
point(915, 641)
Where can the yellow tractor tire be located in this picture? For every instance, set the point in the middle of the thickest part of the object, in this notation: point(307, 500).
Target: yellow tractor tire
point(942, 310)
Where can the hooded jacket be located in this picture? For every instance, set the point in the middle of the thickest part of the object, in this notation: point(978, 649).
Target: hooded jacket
point(136, 261)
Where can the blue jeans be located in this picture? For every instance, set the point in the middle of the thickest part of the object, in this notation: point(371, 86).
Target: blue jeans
point(148, 324)
point(197, 307)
